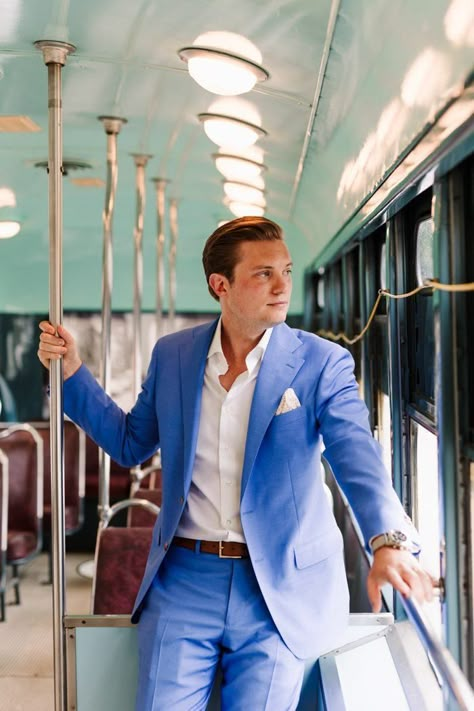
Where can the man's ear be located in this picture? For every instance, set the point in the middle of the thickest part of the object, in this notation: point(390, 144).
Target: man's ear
point(219, 284)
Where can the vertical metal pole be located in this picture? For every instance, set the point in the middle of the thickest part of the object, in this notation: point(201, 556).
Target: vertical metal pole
point(365, 369)
point(160, 185)
point(112, 126)
point(55, 55)
point(172, 261)
point(397, 340)
point(140, 162)
point(447, 407)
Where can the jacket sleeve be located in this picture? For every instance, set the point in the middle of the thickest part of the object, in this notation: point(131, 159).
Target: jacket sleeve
point(353, 454)
point(128, 438)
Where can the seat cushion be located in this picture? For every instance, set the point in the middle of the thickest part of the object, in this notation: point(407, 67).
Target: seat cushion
point(20, 545)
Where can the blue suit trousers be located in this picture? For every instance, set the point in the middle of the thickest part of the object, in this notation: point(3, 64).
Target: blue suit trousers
point(203, 611)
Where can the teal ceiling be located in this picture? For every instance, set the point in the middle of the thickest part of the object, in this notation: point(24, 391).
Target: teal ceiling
point(126, 64)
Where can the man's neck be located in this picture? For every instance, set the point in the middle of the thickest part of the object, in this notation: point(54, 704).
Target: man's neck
point(237, 343)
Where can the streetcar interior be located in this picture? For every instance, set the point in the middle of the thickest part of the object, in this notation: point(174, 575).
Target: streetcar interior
point(359, 130)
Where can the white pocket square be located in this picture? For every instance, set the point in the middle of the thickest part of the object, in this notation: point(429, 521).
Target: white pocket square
point(288, 402)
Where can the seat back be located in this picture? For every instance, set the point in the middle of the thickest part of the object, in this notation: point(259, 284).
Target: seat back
point(120, 560)
point(121, 556)
point(3, 518)
point(119, 476)
point(74, 474)
point(24, 449)
point(139, 516)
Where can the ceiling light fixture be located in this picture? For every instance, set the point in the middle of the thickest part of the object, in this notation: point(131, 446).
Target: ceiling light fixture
point(240, 168)
point(7, 197)
point(234, 123)
point(244, 209)
point(224, 63)
point(242, 192)
point(227, 130)
point(9, 228)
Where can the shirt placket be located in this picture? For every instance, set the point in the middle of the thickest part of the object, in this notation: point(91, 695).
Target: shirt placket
point(229, 491)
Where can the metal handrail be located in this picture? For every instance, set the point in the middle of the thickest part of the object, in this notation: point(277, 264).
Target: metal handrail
point(442, 658)
point(124, 504)
point(25, 427)
point(4, 503)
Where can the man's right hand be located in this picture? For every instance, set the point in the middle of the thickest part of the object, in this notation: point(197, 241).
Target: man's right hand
point(53, 347)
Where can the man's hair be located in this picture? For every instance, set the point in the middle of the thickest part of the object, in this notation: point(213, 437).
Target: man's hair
point(221, 252)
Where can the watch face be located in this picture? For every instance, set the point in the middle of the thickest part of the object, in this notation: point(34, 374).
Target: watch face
point(399, 536)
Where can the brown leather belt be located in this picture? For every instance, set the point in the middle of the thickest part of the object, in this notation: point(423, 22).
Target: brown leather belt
point(224, 549)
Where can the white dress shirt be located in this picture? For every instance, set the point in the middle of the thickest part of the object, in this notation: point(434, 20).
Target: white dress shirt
point(212, 511)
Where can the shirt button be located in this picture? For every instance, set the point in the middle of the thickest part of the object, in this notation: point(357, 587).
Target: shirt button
point(228, 522)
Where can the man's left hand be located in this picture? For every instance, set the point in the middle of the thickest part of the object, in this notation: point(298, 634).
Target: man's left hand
point(402, 570)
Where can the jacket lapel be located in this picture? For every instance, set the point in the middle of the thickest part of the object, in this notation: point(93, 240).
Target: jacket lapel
point(192, 358)
point(277, 371)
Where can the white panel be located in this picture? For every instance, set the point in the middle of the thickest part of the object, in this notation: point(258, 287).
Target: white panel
point(369, 679)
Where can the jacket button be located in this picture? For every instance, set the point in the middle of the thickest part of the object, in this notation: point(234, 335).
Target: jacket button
point(166, 546)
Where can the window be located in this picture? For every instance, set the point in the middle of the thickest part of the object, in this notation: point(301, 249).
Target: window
point(383, 266)
point(320, 292)
point(426, 507)
point(418, 237)
point(383, 428)
point(424, 250)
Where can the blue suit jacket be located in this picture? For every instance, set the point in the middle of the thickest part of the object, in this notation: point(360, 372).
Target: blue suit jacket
point(294, 543)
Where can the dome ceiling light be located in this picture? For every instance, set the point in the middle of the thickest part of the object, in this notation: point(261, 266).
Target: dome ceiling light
point(234, 123)
point(244, 209)
point(9, 228)
point(224, 63)
point(7, 197)
point(242, 192)
point(238, 167)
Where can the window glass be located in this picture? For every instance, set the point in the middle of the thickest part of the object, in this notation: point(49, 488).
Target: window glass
point(383, 429)
point(472, 545)
point(383, 267)
point(424, 250)
point(426, 508)
point(320, 292)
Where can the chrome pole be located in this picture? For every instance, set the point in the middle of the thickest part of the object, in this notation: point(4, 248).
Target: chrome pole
point(443, 660)
point(140, 163)
point(55, 56)
point(172, 261)
point(160, 186)
point(112, 126)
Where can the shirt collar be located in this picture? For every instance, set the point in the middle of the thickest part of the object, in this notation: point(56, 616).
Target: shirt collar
point(253, 358)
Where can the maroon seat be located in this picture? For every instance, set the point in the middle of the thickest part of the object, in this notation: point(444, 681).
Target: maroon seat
point(121, 557)
point(119, 476)
point(138, 516)
point(74, 475)
point(3, 530)
point(23, 447)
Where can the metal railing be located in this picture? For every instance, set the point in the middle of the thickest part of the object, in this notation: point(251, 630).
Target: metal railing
point(445, 664)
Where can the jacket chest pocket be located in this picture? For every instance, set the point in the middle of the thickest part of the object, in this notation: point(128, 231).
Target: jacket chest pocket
point(293, 418)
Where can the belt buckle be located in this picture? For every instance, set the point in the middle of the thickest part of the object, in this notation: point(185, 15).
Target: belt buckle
point(221, 554)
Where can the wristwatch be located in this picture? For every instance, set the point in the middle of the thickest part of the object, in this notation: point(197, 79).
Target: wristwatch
point(393, 539)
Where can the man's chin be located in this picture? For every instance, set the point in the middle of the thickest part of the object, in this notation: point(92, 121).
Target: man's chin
point(277, 318)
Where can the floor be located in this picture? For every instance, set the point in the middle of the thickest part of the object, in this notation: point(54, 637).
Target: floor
point(26, 638)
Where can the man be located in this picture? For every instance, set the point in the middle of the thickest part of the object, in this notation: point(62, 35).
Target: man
point(246, 564)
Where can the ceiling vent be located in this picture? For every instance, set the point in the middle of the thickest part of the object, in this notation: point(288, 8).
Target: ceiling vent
point(68, 165)
point(18, 124)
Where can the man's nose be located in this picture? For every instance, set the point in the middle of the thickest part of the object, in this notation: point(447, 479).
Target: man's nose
point(279, 284)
